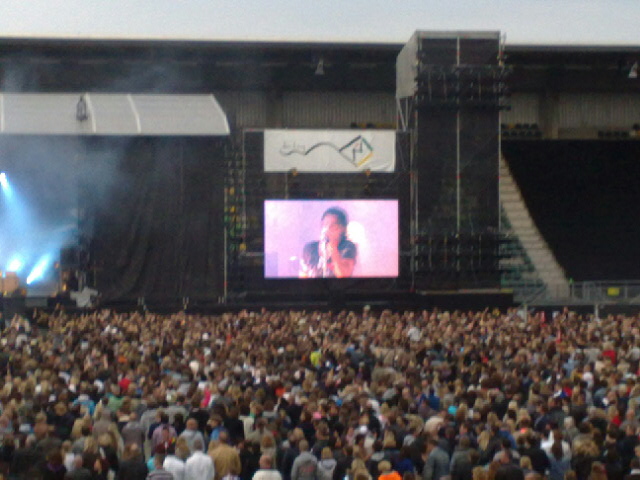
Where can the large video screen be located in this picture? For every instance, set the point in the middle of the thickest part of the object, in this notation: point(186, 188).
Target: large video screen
point(330, 238)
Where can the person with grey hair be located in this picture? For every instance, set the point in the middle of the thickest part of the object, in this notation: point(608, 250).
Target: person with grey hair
point(570, 429)
point(191, 434)
point(199, 465)
point(266, 471)
point(132, 432)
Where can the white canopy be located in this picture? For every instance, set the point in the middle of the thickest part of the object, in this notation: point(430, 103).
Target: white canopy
point(111, 114)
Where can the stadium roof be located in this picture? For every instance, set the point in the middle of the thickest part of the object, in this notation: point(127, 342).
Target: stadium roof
point(173, 66)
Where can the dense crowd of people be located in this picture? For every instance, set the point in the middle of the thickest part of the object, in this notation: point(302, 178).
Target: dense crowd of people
point(295, 395)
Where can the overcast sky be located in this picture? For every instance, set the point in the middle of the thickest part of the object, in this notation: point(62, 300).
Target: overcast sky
point(595, 22)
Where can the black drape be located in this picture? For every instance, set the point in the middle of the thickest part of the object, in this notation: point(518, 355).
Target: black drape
point(158, 230)
point(583, 196)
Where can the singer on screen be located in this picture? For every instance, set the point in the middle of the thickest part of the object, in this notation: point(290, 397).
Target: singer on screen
point(333, 255)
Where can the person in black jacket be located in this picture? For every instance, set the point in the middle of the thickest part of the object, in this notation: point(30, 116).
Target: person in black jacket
point(132, 466)
point(234, 426)
point(25, 458)
point(613, 465)
point(290, 455)
point(539, 458)
point(250, 460)
point(344, 462)
point(461, 461)
point(508, 470)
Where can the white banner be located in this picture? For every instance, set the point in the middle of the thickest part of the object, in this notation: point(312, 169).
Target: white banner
point(329, 150)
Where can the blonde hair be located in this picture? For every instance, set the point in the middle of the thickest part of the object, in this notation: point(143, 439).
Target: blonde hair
point(479, 473)
point(483, 440)
point(105, 440)
point(357, 465)
point(326, 453)
point(90, 445)
point(359, 453)
point(525, 462)
point(389, 440)
point(78, 424)
point(182, 448)
point(491, 471)
point(492, 419)
point(587, 447)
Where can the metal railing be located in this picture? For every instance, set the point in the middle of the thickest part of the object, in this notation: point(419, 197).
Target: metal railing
point(602, 292)
point(622, 291)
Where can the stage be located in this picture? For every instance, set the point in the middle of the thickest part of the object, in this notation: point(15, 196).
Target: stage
point(356, 301)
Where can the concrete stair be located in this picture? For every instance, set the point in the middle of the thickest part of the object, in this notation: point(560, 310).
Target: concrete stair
point(546, 267)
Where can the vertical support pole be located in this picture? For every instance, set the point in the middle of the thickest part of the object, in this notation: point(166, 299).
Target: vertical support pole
point(225, 266)
point(458, 154)
point(458, 181)
point(413, 185)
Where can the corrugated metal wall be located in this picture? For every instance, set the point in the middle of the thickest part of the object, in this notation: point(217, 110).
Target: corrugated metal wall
point(592, 110)
point(337, 110)
point(244, 109)
point(598, 110)
point(525, 108)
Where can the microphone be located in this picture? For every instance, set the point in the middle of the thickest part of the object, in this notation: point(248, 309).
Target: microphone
point(324, 242)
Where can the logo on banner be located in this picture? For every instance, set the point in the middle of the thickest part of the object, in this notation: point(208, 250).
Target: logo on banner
point(357, 151)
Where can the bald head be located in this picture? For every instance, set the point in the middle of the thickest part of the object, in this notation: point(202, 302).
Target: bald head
point(266, 462)
point(192, 424)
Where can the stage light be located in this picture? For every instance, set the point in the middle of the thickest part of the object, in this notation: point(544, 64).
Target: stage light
point(15, 264)
point(40, 269)
point(4, 183)
point(82, 113)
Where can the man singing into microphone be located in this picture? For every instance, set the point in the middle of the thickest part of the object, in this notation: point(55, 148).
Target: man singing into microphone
point(333, 256)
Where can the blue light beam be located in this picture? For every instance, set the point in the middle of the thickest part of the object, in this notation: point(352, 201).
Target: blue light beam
point(40, 269)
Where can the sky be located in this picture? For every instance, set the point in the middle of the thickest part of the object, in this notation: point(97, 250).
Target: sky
point(566, 22)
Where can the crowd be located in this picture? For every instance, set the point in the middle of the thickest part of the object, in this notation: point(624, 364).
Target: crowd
point(296, 395)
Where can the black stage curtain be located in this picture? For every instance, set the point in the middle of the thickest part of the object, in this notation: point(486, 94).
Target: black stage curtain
point(157, 231)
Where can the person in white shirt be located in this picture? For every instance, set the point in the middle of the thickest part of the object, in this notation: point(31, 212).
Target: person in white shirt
point(556, 436)
point(199, 464)
point(174, 462)
point(267, 472)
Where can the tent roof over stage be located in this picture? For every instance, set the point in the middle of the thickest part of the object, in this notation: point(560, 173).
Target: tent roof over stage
point(111, 114)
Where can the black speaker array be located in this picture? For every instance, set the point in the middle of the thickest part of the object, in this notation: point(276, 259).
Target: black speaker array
point(456, 124)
